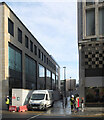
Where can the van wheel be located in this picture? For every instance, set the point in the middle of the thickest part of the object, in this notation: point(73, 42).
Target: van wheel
point(52, 104)
point(45, 107)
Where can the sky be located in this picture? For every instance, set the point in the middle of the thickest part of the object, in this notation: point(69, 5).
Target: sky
point(54, 25)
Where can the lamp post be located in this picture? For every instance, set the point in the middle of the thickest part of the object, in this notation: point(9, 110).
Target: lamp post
point(70, 86)
point(64, 99)
point(64, 79)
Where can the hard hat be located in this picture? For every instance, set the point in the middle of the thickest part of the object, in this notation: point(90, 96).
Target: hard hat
point(72, 95)
point(7, 96)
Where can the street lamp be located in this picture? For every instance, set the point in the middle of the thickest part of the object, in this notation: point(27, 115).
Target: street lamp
point(70, 85)
point(65, 87)
point(64, 81)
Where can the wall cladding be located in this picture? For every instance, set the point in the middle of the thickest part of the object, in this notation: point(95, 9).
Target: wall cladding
point(94, 59)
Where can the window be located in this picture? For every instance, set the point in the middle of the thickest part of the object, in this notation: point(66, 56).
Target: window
point(47, 61)
point(39, 53)
point(19, 35)
point(30, 74)
point(48, 79)
point(90, 2)
point(10, 27)
point(101, 19)
point(26, 42)
point(90, 22)
point(42, 56)
point(41, 81)
point(15, 67)
point(94, 95)
point(41, 71)
point(53, 81)
point(31, 46)
point(35, 49)
point(44, 59)
point(101, 1)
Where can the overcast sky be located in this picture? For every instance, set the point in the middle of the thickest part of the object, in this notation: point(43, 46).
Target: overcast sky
point(54, 24)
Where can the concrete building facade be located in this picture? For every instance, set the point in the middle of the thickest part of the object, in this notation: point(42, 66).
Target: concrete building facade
point(68, 85)
point(91, 51)
point(24, 63)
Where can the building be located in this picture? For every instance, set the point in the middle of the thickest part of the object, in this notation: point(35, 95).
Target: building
point(91, 51)
point(68, 85)
point(24, 63)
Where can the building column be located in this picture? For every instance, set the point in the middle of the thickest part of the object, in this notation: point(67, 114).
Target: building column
point(23, 71)
point(45, 79)
point(81, 73)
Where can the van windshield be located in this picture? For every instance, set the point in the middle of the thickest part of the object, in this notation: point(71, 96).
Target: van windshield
point(37, 96)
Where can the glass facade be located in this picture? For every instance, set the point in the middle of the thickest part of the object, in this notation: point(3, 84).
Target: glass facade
point(53, 81)
point(48, 80)
point(30, 73)
point(56, 82)
point(41, 81)
point(94, 95)
point(15, 67)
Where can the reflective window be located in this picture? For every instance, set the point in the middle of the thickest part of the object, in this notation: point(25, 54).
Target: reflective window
point(101, 19)
point(41, 71)
point(53, 81)
point(41, 81)
point(48, 80)
point(15, 67)
point(37, 96)
point(15, 59)
point(48, 73)
point(10, 27)
point(94, 94)
point(30, 73)
point(56, 81)
point(90, 22)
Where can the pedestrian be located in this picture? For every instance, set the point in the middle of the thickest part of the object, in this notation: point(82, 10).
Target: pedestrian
point(7, 102)
point(82, 104)
point(72, 103)
point(77, 103)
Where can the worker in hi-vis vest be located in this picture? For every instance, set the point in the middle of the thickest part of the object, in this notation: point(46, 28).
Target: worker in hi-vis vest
point(7, 102)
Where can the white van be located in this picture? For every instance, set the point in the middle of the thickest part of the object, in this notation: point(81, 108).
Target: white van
point(41, 99)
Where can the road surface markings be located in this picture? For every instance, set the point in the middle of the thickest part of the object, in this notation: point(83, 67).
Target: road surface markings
point(33, 117)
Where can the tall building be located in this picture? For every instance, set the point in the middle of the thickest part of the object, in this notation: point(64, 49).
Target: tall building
point(24, 63)
point(91, 51)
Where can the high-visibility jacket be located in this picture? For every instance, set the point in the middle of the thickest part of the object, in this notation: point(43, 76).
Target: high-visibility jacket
point(7, 101)
point(72, 101)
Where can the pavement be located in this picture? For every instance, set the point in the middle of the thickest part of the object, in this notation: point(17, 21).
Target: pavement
point(59, 109)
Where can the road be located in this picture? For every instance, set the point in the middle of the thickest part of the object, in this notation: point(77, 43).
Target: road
point(54, 113)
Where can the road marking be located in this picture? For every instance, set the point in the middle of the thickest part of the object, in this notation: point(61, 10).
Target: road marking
point(33, 117)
